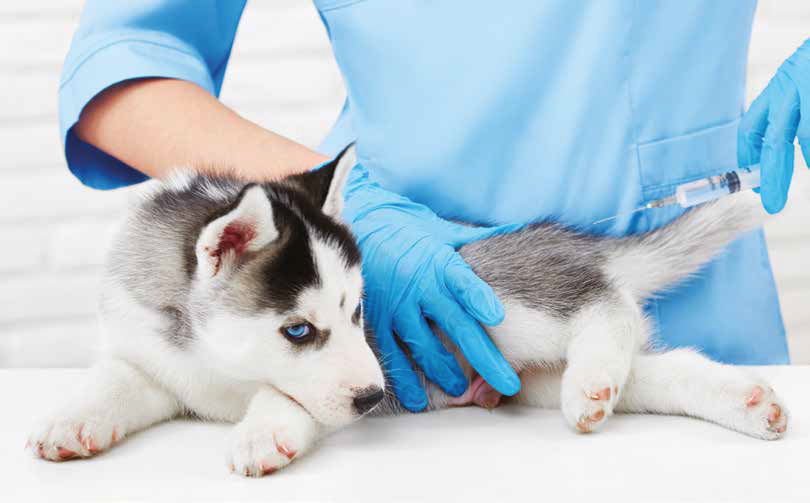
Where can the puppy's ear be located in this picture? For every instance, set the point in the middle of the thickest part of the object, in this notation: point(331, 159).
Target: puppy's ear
point(325, 185)
point(246, 228)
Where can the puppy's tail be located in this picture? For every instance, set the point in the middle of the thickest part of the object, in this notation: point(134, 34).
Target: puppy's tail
point(652, 262)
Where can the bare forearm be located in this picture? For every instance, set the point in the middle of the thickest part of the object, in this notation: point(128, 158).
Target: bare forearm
point(156, 125)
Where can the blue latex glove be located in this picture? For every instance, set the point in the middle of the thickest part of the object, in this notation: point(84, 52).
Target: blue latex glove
point(411, 272)
point(769, 128)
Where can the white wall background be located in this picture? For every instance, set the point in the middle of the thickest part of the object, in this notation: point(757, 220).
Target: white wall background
point(53, 231)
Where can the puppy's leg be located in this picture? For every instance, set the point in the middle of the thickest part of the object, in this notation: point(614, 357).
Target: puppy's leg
point(117, 400)
point(684, 382)
point(604, 337)
point(274, 430)
point(681, 382)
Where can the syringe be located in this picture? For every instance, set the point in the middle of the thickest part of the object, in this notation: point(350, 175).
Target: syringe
point(704, 190)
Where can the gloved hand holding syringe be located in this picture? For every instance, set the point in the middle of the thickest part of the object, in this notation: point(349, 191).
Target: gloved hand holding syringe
point(704, 190)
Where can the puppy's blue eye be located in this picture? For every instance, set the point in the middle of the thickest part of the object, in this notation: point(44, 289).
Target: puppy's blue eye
point(297, 331)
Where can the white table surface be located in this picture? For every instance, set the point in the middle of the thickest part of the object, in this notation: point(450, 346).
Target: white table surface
point(511, 454)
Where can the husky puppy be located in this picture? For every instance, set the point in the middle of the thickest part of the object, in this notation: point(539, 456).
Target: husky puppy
point(241, 302)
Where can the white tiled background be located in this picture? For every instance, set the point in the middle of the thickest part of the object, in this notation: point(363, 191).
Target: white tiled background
point(53, 232)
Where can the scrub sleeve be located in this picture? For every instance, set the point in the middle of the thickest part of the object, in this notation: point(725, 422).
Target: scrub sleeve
point(119, 40)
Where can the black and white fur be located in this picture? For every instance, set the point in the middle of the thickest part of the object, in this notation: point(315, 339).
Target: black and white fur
point(207, 272)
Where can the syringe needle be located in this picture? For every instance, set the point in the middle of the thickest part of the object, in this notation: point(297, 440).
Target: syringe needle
point(605, 219)
point(640, 208)
point(658, 203)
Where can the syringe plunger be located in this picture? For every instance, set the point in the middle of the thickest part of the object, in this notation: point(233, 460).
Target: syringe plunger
point(715, 187)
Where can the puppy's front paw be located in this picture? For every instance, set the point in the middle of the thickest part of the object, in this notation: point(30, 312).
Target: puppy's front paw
point(70, 438)
point(260, 448)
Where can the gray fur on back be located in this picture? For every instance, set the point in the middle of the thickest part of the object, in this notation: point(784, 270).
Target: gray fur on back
point(547, 267)
point(544, 267)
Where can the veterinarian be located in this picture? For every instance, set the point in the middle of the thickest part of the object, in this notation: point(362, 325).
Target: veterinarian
point(488, 112)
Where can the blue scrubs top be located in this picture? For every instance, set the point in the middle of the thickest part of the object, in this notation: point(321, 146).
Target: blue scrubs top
point(499, 112)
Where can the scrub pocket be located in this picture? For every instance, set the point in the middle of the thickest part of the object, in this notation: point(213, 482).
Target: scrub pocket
point(664, 164)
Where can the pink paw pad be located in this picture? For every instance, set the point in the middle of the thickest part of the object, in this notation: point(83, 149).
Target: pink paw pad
point(602, 394)
point(777, 421)
point(774, 414)
point(585, 423)
point(283, 449)
point(91, 446)
point(755, 397)
point(65, 454)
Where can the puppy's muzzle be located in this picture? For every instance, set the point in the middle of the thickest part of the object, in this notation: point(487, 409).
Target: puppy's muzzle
point(367, 398)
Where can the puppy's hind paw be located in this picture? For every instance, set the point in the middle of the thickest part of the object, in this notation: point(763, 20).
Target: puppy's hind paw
point(586, 424)
point(587, 402)
point(765, 415)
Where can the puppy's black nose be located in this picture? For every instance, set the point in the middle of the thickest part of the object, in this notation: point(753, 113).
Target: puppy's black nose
point(367, 398)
